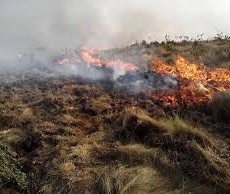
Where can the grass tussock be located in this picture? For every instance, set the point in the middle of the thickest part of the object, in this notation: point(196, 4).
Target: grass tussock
point(5, 121)
point(11, 137)
point(72, 136)
point(195, 152)
point(100, 104)
point(125, 180)
point(219, 107)
point(173, 179)
point(27, 114)
point(139, 154)
point(81, 154)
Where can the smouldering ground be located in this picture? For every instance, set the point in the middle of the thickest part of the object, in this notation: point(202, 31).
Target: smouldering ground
point(69, 137)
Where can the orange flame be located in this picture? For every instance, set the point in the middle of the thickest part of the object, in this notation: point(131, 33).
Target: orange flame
point(181, 69)
point(87, 56)
point(196, 83)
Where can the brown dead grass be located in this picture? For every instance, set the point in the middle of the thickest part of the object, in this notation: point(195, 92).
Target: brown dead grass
point(166, 179)
point(11, 136)
point(101, 104)
point(66, 151)
point(80, 138)
point(125, 180)
point(220, 107)
point(192, 150)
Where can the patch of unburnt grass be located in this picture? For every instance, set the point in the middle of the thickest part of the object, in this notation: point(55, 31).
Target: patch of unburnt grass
point(219, 107)
point(129, 180)
point(191, 150)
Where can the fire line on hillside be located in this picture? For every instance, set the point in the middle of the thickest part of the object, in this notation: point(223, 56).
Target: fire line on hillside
point(182, 83)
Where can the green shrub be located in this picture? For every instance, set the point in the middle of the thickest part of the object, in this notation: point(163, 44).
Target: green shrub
point(10, 174)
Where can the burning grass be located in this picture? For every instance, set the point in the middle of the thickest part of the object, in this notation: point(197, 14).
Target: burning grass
point(196, 83)
point(63, 149)
point(71, 135)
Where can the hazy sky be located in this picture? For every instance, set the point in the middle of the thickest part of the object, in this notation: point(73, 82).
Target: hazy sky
point(70, 23)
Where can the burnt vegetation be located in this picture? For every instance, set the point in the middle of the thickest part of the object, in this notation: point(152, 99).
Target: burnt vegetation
point(64, 135)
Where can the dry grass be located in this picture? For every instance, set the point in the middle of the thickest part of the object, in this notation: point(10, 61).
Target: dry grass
point(81, 154)
point(125, 180)
point(101, 104)
point(171, 179)
point(192, 150)
point(139, 154)
point(219, 107)
point(28, 114)
point(11, 136)
point(72, 137)
point(62, 178)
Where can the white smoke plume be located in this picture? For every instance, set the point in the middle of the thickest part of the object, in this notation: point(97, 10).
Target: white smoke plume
point(56, 24)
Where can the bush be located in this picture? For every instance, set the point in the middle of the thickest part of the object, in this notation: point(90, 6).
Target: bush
point(10, 174)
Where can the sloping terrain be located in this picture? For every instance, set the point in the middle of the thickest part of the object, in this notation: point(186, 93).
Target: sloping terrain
point(64, 135)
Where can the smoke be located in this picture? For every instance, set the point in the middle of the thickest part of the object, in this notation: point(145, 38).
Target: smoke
point(56, 24)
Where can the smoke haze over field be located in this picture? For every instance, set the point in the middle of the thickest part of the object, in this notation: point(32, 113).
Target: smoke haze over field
point(57, 23)
point(28, 24)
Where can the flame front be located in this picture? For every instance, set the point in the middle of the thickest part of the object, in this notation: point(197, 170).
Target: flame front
point(87, 56)
point(196, 83)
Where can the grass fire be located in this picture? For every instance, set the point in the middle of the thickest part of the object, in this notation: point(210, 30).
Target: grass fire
point(96, 99)
point(156, 122)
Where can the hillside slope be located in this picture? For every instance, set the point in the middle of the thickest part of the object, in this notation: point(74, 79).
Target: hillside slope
point(70, 136)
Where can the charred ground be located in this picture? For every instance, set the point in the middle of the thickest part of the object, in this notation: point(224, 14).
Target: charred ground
point(68, 135)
